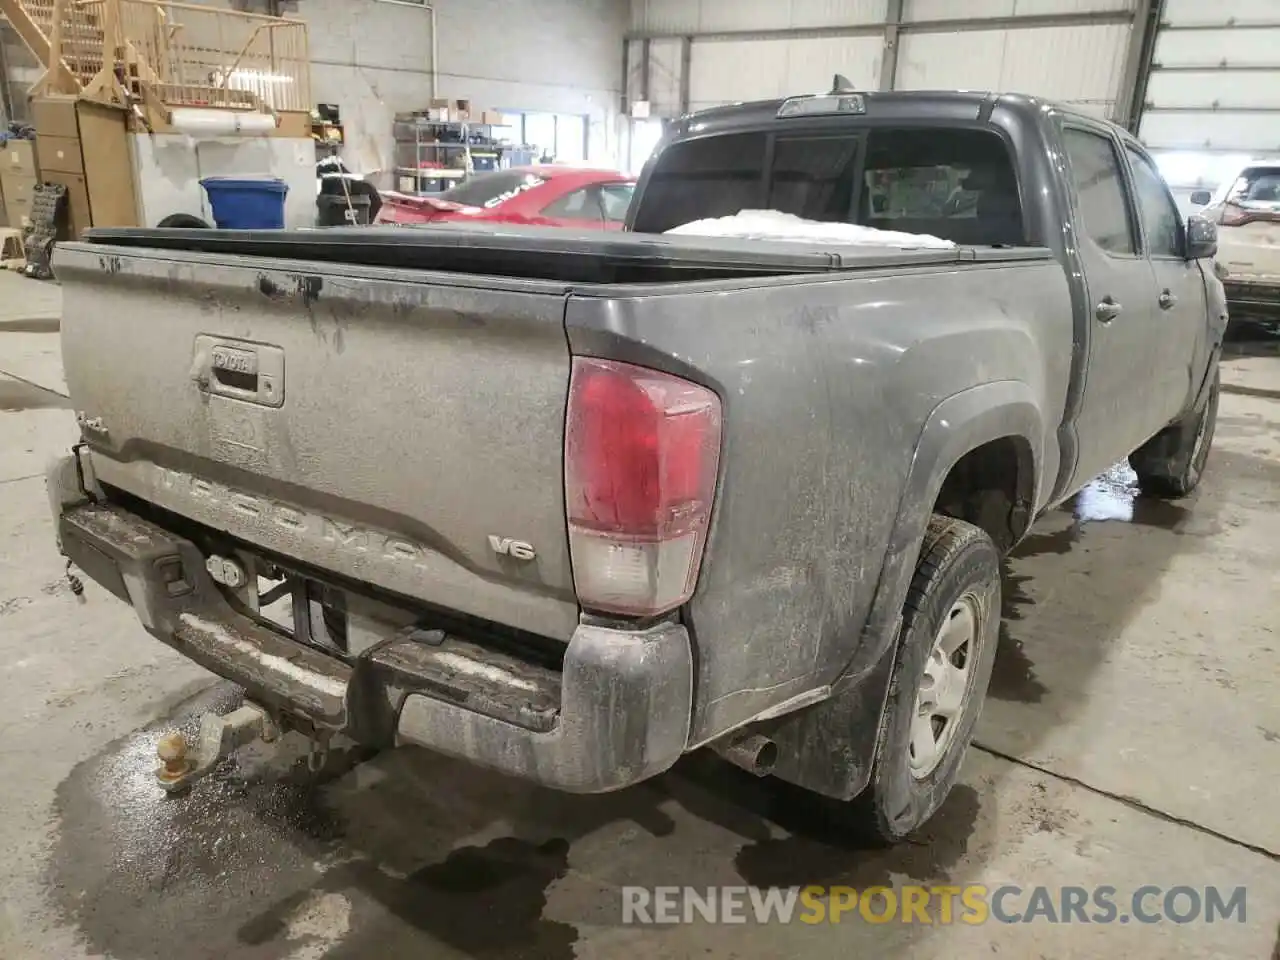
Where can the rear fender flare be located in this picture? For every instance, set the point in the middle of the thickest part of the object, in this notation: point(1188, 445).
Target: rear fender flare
point(962, 422)
point(830, 748)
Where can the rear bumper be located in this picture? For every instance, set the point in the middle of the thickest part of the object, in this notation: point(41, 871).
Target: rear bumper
point(617, 712)
point(1252, 299)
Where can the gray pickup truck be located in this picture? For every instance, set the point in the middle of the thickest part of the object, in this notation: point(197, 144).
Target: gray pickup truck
point(570, 506)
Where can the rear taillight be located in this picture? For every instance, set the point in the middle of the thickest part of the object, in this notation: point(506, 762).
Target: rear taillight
point(641, 451)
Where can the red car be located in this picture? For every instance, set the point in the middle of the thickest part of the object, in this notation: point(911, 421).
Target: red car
point(539, 196)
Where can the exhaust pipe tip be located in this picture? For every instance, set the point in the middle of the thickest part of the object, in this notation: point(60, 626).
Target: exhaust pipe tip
point(753, 752)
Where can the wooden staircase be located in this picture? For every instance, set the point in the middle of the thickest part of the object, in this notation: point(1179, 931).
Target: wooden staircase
point(33, 20)
point(150, 56)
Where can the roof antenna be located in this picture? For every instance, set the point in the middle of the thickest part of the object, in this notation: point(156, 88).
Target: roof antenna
point(841, 84)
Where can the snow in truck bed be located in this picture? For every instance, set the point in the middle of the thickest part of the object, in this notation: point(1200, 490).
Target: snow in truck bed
point(774, 225)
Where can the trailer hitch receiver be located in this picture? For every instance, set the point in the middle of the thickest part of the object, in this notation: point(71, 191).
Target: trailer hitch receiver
point(181, 766)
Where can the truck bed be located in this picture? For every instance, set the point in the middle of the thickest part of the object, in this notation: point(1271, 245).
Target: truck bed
point(388, 405)
point(549, 254)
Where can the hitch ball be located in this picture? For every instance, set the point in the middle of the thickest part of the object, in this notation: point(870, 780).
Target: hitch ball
point(172, 751)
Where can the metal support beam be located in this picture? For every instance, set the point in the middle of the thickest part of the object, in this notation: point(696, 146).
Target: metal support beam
point(1139, 63)
point(686, 65)
point(1095, 18)
point(625, 105)
point(889, 55)
point(646, 67)
point(6, 93)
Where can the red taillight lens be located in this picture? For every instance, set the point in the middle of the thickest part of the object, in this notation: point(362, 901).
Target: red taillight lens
point(641, 452)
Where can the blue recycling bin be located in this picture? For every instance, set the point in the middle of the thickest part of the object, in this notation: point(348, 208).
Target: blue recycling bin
point(246, 204)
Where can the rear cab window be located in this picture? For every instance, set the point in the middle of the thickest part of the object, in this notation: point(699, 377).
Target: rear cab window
point(955, 183)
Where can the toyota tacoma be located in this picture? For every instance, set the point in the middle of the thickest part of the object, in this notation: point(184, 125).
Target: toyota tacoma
point(570, 506)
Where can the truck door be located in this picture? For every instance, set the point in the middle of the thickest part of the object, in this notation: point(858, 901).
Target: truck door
point(1123, 402)
point(1181, 313)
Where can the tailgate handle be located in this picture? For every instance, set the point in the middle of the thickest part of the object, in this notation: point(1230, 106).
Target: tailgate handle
point(240, 369)
point(235, 368)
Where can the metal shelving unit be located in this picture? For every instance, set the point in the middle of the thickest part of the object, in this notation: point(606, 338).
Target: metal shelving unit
point(417, 142)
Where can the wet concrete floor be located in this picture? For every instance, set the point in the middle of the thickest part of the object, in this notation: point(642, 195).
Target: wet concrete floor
point(1132, 736)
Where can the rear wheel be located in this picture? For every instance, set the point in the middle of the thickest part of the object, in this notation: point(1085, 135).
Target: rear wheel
point(946, 650)
point(1172, 462)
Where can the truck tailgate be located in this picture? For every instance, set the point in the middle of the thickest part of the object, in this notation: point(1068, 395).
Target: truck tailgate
point(403, 429)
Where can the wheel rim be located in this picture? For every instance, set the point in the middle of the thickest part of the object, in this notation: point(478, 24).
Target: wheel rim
point(944, 688)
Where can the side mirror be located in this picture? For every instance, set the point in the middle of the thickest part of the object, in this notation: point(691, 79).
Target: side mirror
point(1200, 198)
point(1202, 238)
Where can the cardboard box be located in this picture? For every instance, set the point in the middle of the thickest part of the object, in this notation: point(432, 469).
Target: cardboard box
point(440, 114)
point(462, 109)
point(491, 117)
point(19, 156)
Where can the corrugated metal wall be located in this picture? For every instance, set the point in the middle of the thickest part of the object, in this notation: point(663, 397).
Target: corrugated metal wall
point(711, 16)
point(724, 71)
point(1080, 65)
point(1213, 99)
point(1070, 50)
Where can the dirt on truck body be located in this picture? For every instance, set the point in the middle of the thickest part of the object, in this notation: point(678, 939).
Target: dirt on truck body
point(571, 506)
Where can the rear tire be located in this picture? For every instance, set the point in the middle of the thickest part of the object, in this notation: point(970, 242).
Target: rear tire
point(947, 646)
point(1172, 462)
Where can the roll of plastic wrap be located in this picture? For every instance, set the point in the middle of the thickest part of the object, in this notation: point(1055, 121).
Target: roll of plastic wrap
point(221, 123)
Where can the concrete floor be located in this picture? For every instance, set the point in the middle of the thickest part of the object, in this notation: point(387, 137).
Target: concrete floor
point(1132, 737)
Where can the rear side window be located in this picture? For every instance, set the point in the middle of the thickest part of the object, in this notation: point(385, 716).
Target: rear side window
point(617, 199)
point(581, 204)
point(1102, 205)
point(954, 183)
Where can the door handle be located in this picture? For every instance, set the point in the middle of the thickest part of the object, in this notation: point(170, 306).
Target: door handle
point(1107, 310)
point(1167, 300)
